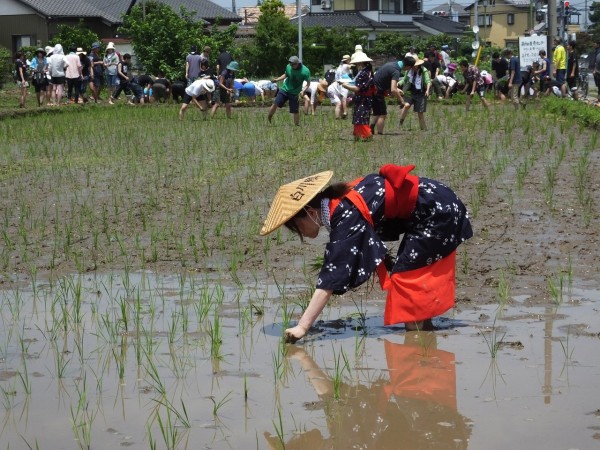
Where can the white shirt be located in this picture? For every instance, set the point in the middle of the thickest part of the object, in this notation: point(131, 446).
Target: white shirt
point(196, 89)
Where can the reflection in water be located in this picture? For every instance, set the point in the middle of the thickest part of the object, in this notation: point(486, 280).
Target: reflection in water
point(415, 408)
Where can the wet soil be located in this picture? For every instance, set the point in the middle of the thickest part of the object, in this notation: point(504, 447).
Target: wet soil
point(528, 280)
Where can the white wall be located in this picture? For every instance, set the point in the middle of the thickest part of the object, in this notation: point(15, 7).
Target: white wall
point(14, 8)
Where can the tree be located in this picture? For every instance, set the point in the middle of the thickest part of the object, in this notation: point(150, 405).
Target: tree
point(594, 17)
point(77, 36)
point(274, 33)
point(327, 46)
point(163, 38)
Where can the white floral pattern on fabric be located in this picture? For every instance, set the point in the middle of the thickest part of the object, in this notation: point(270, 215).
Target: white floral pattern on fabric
point(436, 227)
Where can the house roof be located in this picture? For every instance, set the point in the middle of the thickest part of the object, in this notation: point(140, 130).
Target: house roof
point(338, 19)
point(444, 10)
point(109, 10)
point(515, 3)
point(441, 24)
point(112, 10)
point(204, 9)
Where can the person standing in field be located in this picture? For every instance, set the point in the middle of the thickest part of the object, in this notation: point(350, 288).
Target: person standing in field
point(223, 59)
point(559, 65)
point(499, 71)
point(111, 65)
point(21, 70)
point(86, 66)
point(364, 90)
point(595, 66)
point(73, 75)
point(360, 216)
point(192, 65)
point(573, 68)
point(417, 83)
point(205, 55)
point(514, 78)
point(96, 72)
point(56, 67)
point(295, 74)
point(543, 72)
point(386, 80)
point(225, 86)
point(39, 67)
point(124, 74)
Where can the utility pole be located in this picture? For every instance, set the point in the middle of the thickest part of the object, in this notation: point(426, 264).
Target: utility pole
point(551, 30)
point(562, 17)
point(299, 14)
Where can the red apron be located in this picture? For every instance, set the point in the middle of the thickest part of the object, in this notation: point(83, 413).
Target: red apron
point(412, 295)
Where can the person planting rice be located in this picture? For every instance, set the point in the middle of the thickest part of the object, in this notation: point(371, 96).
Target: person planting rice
point(360, 215)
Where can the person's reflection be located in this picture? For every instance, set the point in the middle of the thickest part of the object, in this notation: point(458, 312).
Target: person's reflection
point(414, 409)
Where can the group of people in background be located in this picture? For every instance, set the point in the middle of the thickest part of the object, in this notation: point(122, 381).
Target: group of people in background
point(410, 80)
point(557, 76)
point(51, 70)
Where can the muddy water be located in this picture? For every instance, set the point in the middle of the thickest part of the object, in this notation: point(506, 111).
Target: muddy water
point(125, 361)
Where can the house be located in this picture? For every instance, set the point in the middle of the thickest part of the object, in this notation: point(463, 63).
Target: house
point(250, 14)
point(452, 11)
point(377, 16)
point(501, 22)
point(570, 23)
point(34, 22)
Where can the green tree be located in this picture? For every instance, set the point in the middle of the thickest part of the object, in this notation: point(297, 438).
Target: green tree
point(163, 37)
point(271, 47)
point(6, 64)
point(327, 46)
point(594, 17)
point(77, 36)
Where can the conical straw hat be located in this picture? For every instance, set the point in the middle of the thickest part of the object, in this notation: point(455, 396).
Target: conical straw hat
point(292, 197)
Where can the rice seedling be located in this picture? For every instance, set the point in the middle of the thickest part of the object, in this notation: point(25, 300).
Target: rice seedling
point(216, 337)
point(361, 318)
point(566, 347)
point(29, 446)
point(168, 430)
point(493, 341)
point(340, 365)
point(503, 293)
point(217, 405)
point(287, 312)
point(279, 429)
point(61, 362)
point(556, 288)
point(82, 418)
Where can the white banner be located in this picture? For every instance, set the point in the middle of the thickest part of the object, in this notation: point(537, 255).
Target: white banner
point(529, 49)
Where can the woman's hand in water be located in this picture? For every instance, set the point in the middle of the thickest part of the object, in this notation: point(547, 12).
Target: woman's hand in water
point(292, 335)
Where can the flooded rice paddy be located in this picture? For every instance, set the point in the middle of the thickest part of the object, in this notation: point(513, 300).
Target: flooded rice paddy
point(140, 360)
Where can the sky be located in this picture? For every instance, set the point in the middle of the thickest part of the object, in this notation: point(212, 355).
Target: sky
point(243, 3)
point(428, 4)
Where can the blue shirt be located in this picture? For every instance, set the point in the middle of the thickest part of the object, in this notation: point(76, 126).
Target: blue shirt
point(514, 66)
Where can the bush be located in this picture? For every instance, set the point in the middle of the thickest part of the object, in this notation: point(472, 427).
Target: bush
point(6, 60)
point(583, 113)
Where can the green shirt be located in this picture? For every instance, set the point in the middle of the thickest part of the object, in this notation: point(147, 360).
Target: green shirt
point(294, 78)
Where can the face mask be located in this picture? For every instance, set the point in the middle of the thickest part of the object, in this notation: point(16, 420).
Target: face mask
point(312, 218)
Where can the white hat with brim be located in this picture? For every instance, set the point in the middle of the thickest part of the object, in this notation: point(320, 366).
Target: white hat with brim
point(80, 51)
point(208, 84)
point(292, 197)
point(110, 46)
point(360, 58)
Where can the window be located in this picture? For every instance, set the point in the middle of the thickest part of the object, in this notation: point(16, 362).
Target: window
point(20, 41)
point(510, 19)
point(484, 20)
